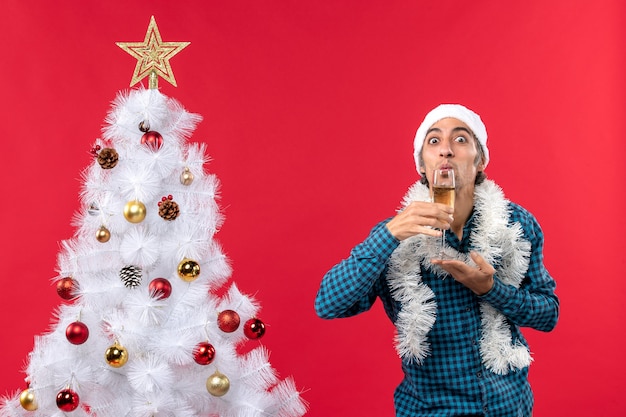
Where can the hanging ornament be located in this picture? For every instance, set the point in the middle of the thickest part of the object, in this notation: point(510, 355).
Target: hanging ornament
point(228, 321)
point(168, 209)
point(135, 211)
point(116, 355)
point(66, 288)
point(188, 270)
point(28, 400)
point(77, 333)
point(186, 178)
point(204, 353)
point(217, 384)
point(108, 158)
point(144, 126)
point(131, 276)
point(103, 235)
point(254, 328)
point(153, 140)
point(93, 209)
point(67, 400)
point(160, 288)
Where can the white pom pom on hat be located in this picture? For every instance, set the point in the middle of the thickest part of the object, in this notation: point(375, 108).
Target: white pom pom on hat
point(457, 111)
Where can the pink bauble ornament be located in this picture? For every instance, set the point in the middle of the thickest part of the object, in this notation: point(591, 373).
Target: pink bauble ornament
point(67, 400)
point(228, 321)
point(204, 353)
point(152, 140)
point(160, 288)
point(77, 333)
point(254, 328)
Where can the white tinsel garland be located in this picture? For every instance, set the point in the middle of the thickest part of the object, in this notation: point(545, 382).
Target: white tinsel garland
point(495, 240)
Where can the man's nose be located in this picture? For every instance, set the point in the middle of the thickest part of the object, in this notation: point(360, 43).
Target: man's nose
point(445, 149)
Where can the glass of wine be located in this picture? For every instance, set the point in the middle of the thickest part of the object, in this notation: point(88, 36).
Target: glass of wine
point(442, 191)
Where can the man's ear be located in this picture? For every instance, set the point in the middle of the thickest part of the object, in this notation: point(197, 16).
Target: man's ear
point(481, 165)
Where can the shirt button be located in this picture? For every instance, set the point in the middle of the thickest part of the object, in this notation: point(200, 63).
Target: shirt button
point(468, 309)
point(479, 374)
point(474, 342)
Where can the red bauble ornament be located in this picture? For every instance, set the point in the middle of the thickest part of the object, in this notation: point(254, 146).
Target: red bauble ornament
point(152, 140)
point(228, 321)
point(66, 288)
point(204, 353)
point(67, 400)
point(77, 333)
point(254, 329)
point(160, 288)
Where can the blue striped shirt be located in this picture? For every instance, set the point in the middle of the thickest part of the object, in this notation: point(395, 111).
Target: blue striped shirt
point(452, 380)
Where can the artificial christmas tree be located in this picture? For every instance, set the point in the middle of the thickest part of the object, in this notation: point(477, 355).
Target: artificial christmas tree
point(144, 329)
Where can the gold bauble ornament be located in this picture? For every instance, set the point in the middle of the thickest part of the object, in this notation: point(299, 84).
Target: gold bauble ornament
point(135, 211)
point(188, 270)
point(186, 178)
point(217, 384)
point(103, 235)
point(27, 400)
point(116, 355)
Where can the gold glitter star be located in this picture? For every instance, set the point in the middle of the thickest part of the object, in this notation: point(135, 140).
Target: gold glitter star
point(153, 56)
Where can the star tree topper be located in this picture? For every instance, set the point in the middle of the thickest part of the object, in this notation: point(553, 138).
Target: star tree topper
point(153, 56)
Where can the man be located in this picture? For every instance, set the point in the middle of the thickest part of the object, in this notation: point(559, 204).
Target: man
point(458, 317)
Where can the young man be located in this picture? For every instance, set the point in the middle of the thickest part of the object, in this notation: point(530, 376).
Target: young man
point(458, 317)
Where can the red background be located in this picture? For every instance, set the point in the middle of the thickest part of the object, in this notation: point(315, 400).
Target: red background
point(309, 113)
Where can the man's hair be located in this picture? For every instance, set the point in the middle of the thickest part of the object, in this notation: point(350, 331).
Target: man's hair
point(480, 176)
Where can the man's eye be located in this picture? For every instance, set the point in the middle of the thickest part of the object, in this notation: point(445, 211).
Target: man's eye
point(460, 139)
point(433, 141)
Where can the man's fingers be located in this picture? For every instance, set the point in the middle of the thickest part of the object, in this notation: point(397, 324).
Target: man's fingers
point(482, 264)
point(430, 232)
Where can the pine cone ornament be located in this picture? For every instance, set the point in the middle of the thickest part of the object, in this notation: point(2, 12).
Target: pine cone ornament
point(131, 276)
point(168, 209)
point(107, 158)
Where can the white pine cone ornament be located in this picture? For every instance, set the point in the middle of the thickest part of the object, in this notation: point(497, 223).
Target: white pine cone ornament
point(131, 276)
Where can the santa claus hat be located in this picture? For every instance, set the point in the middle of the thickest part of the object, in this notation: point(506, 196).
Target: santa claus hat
point(457, 111)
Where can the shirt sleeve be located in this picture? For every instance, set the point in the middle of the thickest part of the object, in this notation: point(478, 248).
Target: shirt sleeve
point(348, 288)
point(535, 303)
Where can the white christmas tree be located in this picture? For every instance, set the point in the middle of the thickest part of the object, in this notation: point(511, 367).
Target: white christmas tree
point(145, 328)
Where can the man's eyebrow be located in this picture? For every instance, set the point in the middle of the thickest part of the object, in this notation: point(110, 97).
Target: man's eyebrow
point(454, 130)
point(433, 129)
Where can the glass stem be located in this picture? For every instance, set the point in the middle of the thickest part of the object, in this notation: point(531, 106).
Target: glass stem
point(443, 241)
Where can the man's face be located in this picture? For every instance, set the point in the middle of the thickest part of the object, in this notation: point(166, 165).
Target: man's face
point(449, 143)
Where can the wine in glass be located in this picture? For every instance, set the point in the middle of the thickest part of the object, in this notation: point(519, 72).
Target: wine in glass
point(442, 191)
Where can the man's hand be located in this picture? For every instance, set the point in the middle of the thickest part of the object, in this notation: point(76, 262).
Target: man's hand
point(421, 217)
point(479, 279)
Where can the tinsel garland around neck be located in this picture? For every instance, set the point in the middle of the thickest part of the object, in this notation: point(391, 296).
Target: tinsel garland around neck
point(499, 243)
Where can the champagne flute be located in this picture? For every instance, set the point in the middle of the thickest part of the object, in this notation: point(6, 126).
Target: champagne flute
point(442, 191)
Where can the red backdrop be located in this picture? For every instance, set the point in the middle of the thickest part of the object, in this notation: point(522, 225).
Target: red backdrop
point(309, 111)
